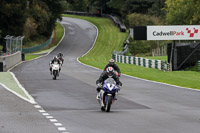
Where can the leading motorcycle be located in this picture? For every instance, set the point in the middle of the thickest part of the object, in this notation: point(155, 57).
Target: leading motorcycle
point(55, 71)
point(107, 94)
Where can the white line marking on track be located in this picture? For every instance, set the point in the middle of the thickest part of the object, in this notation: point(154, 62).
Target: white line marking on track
point(61, 128)
point(45, 114)
point(37, 106)
point(53, 120)
point(41, 111)
point(57, 124)
point(49, 117)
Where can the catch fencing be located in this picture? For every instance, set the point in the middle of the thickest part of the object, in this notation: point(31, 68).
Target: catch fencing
point(13, 44)
point(38, 47)
point(157, 64)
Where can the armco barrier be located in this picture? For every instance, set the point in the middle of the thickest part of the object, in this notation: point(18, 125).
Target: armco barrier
point(157, 64)
point(37, 48)
point(9, 61)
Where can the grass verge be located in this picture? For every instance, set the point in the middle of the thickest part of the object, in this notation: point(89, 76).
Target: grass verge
point(110, 39)
point(30, 57)
point(58, 34)
point(7, 79)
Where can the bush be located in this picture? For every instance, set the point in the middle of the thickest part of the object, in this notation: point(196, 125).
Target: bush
point(136, 19)
point(30, 28)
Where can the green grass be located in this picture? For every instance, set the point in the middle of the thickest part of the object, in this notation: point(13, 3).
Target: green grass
point(7, 79)
point(30, 57)
point(181, 78)
point(59, 32)
point(111, 39)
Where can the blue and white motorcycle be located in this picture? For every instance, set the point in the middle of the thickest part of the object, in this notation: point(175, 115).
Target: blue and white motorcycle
point(107, 94)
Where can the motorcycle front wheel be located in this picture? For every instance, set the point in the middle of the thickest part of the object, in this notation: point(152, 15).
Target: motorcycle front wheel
point(54, 75)
point(108, 103)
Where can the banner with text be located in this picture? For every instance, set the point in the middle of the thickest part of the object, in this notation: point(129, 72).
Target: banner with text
point(184, 32)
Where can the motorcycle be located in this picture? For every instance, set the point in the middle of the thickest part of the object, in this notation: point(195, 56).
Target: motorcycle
point(107, 94)
point(55, 70)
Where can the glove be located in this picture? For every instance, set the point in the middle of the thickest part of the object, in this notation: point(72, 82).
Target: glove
point(118, 74)
point(99, 85)
point(119, 87)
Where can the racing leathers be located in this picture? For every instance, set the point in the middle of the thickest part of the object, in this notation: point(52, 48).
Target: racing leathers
point(103, 77)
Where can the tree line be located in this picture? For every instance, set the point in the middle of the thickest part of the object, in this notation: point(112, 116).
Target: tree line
point(33, 18)
point(29, 18)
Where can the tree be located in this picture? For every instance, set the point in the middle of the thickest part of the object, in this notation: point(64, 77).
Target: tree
point(55, 12)
point(13, 17)
point(100, 4)
point(182, 12)
point(138, 6)
point(39, 12)
point(78, 5)
point(157, 8)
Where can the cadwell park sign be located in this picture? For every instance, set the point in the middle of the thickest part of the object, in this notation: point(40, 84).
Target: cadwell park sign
point(169, 32)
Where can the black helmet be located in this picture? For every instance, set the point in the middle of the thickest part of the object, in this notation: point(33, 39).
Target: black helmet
point(55, 58)
point(111, 61)
point(110, 71)
point(60, 54)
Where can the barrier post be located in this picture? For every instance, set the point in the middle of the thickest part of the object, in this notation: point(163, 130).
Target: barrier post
point(199, 66)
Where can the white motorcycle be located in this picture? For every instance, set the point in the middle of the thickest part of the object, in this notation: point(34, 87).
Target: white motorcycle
point(55, 70)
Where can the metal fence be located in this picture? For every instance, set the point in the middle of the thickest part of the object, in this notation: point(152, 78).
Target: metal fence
point(38, 47)
point(13, 44)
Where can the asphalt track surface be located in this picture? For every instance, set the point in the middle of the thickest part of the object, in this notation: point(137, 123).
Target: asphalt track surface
point(142, 106)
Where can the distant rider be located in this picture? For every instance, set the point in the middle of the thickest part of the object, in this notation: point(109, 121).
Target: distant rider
point(113, 65)
point(60, 57)
point(54, 61)
point(109, 73)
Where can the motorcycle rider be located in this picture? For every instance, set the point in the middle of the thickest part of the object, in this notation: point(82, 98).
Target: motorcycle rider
point(54, 61)
point(114, 66)
point(109, 73)
point(60, 57)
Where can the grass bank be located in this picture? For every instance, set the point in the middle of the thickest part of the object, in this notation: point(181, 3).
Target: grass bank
point(110, 39)
point(58, 34)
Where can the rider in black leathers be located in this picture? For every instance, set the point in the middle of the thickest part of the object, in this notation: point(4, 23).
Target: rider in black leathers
point(60, 57)
point(114, 66)
point(109, 73)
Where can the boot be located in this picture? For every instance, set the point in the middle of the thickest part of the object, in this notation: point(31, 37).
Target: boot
point(98, 95)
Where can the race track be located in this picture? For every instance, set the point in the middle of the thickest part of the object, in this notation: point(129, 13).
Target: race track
point(142, 106)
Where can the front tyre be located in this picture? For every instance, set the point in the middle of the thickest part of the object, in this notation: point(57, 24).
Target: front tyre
point(54, 75)
point(108, 103)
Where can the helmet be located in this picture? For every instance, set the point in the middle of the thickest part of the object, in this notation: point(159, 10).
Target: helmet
point(60, 54)
point(55, 58)
point(110, 71)
point(111, 61)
